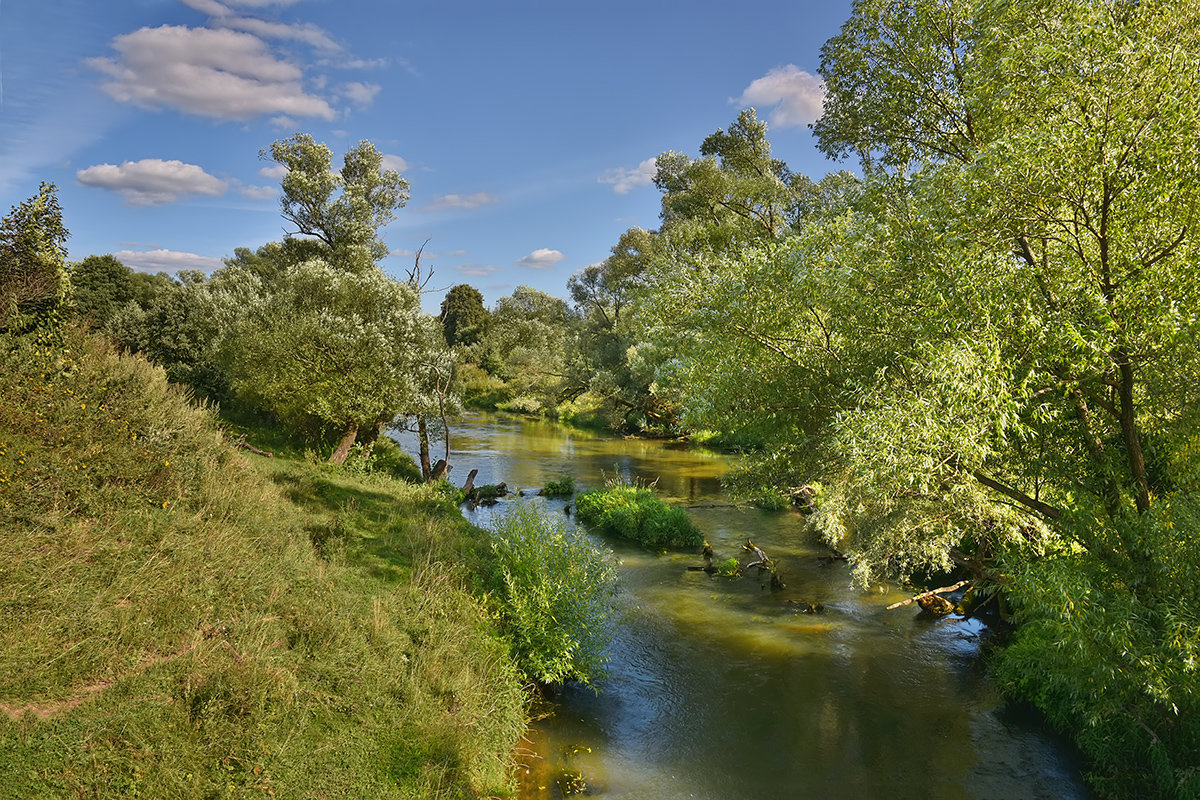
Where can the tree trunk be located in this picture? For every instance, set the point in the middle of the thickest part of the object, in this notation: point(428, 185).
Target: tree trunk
point(368, 443)
point(343, 448)
point(423, 439)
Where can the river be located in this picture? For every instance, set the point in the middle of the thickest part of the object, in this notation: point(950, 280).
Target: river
point(722, 689)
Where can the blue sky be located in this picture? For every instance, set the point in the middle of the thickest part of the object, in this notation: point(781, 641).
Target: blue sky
point(527, 130)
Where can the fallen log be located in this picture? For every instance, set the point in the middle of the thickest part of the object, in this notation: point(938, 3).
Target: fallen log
point(469, 486)
point(918, 597)
point(241, 442)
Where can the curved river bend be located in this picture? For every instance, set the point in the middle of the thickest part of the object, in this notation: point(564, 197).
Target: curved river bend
point(723, 689)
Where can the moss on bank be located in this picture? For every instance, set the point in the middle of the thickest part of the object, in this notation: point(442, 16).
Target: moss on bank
point(182, 620)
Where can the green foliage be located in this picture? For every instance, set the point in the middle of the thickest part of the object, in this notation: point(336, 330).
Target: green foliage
point(556, 592)
point(729, 568)
point(33, 276)
point(99, 286)
point(343, 209)
point(171, 631)
point(560, 488)
point(525, 349)
point(1112, 664)
point(637, 514)
point(464, 319)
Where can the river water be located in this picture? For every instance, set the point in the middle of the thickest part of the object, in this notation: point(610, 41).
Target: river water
point(723, 689)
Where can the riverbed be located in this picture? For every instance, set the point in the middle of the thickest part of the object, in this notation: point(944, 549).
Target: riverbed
point(723, 688)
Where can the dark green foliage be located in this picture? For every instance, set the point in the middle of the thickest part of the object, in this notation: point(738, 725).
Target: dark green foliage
point(33, 274)
point(559, 488)
point(99, 286)
point(464, 319)
point(639, 515)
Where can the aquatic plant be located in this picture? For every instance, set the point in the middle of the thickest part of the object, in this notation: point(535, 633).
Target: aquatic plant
point(637, 513)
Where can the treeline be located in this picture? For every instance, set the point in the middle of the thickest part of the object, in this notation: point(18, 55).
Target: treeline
point(983, 349)
point(309, 330)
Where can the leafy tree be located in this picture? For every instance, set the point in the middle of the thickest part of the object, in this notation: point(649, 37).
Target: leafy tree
point(464, 318)
point(34, 281)
point(100, 285)
point(335, 346)
point(527, 346)
point(343, 209)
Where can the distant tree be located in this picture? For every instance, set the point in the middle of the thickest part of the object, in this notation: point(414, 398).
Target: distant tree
point(100, 285)
point(343, 209)
point(464, 318)
point(34, 281)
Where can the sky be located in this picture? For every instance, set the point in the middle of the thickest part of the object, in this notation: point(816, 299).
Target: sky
point(527, 130)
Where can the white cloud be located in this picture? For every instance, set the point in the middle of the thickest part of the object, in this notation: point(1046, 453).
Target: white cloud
point(477, 270)
point(542, 258)
point(259, 192)
point(624, 179)
point(461, 201)
point(797, 96)
point(275, 171)
point(166, 260)
point(391, 161)
point(214, 73)
point(307, 33)
point(151, 181)
point(210, 7)
point(360, 94)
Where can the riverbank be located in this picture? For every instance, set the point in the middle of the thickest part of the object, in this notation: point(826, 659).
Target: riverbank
point(183, 619)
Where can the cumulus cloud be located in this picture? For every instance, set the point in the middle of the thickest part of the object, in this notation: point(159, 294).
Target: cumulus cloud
point(624, 179)
point(151, 181)
point(360, 94)
point(222, 73)
point(259, 192)
point(275, 171)
point(542, 258)
point(391, 161)
point(796, 95)
point(162, 260)
point(465, 202)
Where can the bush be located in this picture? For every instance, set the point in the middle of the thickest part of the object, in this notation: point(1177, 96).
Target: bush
point(638, 514)
point(561, 488)
point(556, 589)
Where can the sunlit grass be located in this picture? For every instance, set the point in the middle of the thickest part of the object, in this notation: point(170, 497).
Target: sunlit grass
point(182, 621)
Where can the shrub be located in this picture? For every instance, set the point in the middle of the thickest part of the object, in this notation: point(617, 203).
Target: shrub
point(560, 488)
point(638, 514)
point(556, 590)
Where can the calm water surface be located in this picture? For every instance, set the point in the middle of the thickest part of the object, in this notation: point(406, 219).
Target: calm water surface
point(721, 688)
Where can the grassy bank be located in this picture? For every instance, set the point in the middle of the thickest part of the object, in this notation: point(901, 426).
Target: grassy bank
point(182, 620)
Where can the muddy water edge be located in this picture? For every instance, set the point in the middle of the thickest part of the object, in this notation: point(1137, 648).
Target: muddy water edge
point(722, 688)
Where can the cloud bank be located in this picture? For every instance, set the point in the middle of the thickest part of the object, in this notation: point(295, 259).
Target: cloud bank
point(151, 181)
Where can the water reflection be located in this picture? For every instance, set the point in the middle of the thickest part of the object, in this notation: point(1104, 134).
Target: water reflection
point(720, 688)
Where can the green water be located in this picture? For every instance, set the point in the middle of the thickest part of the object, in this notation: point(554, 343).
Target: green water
point(721, 688)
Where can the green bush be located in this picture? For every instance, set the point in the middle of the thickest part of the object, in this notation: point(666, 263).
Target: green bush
point(556, 589)
point(1117, 666)
point(561, 488)
point(638, 514)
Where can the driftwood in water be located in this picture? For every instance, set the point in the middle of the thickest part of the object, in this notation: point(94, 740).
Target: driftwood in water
point(931, 593)
point(241, 442)
point(440, 470)
point(469, 486)
point(763, 563)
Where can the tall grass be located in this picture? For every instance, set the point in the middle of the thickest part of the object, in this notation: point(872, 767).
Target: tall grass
point(177, 620)
point(638, 514)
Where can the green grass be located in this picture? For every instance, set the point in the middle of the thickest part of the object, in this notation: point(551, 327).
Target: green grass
point(184, 620)
point(560, 488)
point(638, 514)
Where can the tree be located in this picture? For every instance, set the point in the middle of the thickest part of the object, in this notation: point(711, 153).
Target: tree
point(100, 285)
point(339, 347)
point(342, 209)
point(34, 281)
point(464, 319)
